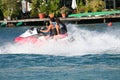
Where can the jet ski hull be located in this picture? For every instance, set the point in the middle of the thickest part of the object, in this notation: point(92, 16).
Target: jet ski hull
point(32, 36)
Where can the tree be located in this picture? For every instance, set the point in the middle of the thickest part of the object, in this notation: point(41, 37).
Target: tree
point(97, 5)
point(90, 6)
point(34, 5)
point(1, 14)
point(9, 8)
point(54, 7)
point(83, 6)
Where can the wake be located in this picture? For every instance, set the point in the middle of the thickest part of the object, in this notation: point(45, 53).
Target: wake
point(85, 42)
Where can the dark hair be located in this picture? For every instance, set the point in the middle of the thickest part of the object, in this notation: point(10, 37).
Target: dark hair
point(52, 19)
point(58, 21)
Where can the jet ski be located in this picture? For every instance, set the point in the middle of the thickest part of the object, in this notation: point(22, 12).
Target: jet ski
point(34, 36)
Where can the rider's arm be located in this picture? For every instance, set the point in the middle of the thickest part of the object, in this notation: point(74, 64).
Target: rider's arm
point(47, 29)
point(57, 28)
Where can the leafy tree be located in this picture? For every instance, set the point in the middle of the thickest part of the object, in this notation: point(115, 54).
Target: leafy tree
point(80, 6)
point(90, 5)
point(54, 7)
point(97, 5)
point(50, 6)
point(43, 7)
point(9, 8)
point(1, 14)
point(34, 5)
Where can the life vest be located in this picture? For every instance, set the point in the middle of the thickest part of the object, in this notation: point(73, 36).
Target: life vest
point(53, 31)
point(63, 29)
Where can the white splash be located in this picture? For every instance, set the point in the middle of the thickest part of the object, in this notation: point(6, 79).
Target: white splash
point(86, 42)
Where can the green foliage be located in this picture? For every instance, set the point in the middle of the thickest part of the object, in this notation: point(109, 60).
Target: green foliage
point(12, 7)
point(39, 6)
point(97, 5)
point(43, 7)
point(9, 8)
point(34, 6)
point(53, 7)
point(1, 13)
point(80, 7)
point(64, 9)
point(90, 6)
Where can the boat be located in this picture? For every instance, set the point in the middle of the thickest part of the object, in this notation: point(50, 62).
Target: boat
point(34, 36)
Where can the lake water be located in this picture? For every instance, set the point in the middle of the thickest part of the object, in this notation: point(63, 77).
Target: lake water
point(93, 55)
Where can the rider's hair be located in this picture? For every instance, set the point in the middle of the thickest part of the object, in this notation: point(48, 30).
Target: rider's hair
point(52, 19)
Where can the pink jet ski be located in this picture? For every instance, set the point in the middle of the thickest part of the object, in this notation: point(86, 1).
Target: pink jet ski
point(33, 35)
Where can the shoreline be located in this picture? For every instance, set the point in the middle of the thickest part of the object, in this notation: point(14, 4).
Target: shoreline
point(81, 20)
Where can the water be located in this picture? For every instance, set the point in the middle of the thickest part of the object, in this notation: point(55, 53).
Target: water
point(93, 55)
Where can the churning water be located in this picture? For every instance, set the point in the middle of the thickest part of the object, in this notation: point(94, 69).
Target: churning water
point(93, 55)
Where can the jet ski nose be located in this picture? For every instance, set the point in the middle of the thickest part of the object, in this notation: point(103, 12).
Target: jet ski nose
point(18, 39)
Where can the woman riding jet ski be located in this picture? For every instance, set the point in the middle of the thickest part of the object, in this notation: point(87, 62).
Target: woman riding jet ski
point(62, 29)
point(32, 35)
point(56, 30)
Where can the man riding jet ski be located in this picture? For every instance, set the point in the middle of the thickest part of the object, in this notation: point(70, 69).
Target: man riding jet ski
point(32, 35)
point(42, 35)
point(56, 28)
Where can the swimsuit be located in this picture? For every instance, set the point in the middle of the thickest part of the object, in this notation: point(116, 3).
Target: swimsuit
point(53, 31)
point(63, 29)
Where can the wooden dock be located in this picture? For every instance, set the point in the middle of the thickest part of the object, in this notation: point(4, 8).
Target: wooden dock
point(65, 19)
point(102, 19)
